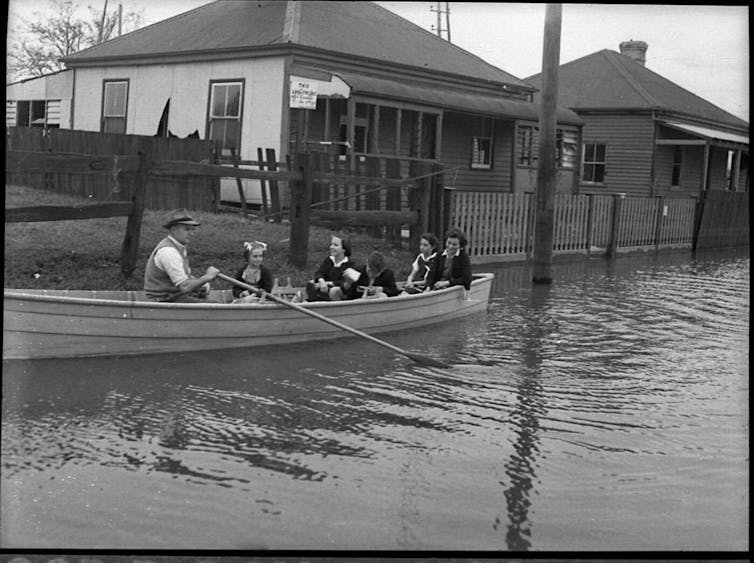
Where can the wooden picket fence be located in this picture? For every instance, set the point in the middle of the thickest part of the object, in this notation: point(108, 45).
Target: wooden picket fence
point(500, 226)
point(723, 220)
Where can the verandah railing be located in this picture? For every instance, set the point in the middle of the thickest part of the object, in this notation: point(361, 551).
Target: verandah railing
point(500, 226)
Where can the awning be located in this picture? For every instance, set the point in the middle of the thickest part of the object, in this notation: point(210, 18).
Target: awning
point(447, 97)
point(708, 132)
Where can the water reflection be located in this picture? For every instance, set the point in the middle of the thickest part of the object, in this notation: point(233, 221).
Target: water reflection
point(591, 405)
point(529, 407)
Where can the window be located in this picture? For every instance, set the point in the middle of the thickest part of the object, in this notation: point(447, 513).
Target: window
point(675, 179)
point(528, 145)
point(594, 163)
point(225, 115)
point(481, 146)
point(566, 143)
point(114, 103)
point(30, 113)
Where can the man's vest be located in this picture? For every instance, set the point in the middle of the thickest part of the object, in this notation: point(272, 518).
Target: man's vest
point(157, 284)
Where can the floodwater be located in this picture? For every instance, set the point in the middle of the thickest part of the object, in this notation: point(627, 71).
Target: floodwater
point(608, 411)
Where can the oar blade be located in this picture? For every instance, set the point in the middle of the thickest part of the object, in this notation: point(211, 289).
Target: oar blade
point(426, 360)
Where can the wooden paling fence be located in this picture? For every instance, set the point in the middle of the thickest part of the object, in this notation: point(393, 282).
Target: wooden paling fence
point(500, 226)
point(723, 220)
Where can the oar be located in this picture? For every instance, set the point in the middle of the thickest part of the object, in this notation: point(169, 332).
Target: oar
point(418, 358)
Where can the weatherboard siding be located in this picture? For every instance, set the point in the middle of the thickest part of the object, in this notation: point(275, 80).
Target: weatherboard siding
point(187, 86)
point(630, 144)
point(457, 133)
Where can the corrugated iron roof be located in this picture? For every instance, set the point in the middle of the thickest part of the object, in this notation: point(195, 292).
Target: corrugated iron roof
point(708, 132)
point(451, 98)
point(348, 29)
point(608, 80)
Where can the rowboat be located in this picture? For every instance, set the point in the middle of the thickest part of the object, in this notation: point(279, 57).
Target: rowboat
point(39, 323)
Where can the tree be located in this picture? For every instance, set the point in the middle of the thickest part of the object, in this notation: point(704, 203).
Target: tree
point(36, 44)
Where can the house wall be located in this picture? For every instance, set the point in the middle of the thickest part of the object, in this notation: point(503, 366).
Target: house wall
point(457, 132)
point(187, 86)
point(630, 145)
point(718, 163)
point(692, 164)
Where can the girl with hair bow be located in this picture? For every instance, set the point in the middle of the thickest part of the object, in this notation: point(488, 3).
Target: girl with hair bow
point(254, 272)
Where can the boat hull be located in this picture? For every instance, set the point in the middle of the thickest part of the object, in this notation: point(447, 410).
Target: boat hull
point(55, 325)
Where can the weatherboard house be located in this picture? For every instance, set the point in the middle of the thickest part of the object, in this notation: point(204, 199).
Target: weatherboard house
point(643, 135)
point(349, 76)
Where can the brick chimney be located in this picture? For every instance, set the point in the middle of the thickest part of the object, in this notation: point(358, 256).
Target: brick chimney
point(637, 50)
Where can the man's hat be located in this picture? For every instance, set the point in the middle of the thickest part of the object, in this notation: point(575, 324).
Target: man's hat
point(180, 216)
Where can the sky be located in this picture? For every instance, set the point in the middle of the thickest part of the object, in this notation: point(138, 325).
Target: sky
point(704, 49)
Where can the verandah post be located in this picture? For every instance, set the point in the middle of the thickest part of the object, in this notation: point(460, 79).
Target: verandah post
point(130, 246)
point(301, 200)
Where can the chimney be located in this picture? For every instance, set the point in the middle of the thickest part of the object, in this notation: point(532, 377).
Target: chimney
point(636, 50)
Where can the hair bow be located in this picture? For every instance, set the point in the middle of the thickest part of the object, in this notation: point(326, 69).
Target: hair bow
point(249, 246)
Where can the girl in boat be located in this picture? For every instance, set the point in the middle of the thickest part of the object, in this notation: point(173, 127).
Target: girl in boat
point(377, 281)
point(417, 279)
point(254, 272)
point(453, 266)
point(335, 278)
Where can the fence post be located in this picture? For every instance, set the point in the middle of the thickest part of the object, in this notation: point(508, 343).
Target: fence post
point(698, 215)
point(130, 247)
point(301, 200)
point(447, 210)
point(272, 165)
point(262, 183)
point(589, 223)
point(615, 227)
point(239, 184)
point(661, 213)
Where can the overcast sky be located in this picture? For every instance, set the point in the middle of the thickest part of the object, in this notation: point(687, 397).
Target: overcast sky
point(704, 49)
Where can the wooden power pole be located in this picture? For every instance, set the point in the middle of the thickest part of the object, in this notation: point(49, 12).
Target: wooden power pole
point(546, 169)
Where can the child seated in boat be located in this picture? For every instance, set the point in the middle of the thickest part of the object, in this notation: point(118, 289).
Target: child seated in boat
point(453, 266)
point(254, 272)
point(377, 281)
point(417, 279)
point(331, 282)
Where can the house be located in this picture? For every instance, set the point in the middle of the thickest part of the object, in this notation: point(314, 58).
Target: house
point(644, 135)
point(349, 77)
point(42, 101)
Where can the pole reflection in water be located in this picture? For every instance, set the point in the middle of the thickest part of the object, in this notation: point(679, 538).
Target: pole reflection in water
point(526, 413)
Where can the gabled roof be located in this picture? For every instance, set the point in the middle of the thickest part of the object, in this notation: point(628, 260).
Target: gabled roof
point(361, 30)
point(608, 80)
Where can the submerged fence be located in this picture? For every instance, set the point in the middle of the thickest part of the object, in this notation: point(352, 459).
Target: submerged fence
point(500, 226)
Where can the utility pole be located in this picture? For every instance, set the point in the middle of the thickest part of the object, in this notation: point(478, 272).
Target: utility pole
point(102, 23)
point(120, 19)
point(546, 170)
point(439, 29)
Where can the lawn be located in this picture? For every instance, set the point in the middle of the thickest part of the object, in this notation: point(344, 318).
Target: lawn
point(85, 254)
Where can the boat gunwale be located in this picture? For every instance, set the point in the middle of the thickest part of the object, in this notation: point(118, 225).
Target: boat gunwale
point(21, 294)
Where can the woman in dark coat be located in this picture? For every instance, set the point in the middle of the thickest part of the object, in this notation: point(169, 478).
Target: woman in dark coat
point(453, 266)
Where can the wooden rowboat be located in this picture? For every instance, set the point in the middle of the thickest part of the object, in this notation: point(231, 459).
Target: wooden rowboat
point(82, 323)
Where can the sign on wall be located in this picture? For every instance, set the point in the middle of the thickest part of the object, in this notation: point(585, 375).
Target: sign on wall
point(303, 93)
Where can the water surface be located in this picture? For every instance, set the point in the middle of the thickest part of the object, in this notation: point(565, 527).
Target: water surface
point(608, 411)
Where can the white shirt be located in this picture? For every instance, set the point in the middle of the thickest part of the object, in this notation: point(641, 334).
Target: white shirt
point(170, 260)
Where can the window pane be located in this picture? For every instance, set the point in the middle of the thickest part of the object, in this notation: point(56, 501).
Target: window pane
point(600, 153)
point(599, 173)
point(219, 93)
point(234, 98)
point(114, 125)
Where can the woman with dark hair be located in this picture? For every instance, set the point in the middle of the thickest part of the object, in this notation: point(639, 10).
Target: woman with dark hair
point(334, 279)
point(453, 266)
point(377, 281)
point(417, 279)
